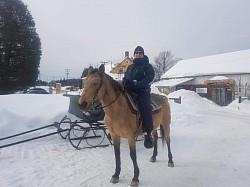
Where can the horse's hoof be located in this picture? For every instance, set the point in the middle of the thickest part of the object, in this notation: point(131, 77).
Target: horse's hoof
point(171, 164)
point(114, 180)
point(134, 183)
point(152, 159)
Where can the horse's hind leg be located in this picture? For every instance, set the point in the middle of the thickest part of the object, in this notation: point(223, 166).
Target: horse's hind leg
point(116, 142)
point(170, 157)
point(155, 152)
point(165, 132)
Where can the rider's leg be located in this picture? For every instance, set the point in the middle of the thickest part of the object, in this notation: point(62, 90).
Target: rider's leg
point(144, 107)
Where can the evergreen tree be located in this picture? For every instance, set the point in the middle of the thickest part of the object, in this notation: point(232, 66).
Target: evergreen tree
point(20, 46)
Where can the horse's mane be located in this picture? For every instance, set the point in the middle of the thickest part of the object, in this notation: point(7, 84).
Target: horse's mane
point(115, 84)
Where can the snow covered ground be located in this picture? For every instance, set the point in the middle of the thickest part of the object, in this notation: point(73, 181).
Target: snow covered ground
point(210, 146)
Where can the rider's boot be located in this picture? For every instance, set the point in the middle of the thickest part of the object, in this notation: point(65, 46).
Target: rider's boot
point(148, 143)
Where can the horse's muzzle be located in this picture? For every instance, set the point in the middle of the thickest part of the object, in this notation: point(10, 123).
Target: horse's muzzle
point(83, 106)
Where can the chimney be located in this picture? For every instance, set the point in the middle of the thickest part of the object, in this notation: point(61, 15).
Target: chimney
point(126, 54)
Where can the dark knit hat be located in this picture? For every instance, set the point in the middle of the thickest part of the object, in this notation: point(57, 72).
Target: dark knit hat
point(139, 48)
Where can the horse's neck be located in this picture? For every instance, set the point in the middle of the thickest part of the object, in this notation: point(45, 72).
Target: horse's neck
point(116, 102)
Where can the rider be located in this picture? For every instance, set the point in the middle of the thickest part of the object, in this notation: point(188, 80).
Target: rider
point(137, 79)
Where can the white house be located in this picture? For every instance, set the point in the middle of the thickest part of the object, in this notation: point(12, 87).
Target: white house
point(220, 77)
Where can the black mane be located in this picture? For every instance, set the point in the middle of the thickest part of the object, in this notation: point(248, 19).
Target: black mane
point(115, 84)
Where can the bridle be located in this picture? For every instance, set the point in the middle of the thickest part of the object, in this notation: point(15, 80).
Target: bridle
point(93, 107)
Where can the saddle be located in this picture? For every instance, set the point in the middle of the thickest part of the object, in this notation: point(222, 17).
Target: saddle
point(133, 105)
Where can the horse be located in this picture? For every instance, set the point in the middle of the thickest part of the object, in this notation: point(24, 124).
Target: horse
point(120, 121)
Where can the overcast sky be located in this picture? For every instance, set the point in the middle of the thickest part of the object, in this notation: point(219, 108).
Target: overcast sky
point(79, 33)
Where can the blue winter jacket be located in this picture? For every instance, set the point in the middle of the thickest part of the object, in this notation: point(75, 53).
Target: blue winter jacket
point(139, 75)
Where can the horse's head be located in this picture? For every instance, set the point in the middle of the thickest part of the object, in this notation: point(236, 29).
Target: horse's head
point(93, 88)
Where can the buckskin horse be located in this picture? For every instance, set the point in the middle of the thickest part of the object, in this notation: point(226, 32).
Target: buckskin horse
point(120, 120)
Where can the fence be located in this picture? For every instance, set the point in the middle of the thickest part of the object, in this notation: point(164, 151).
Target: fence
point(176, 99)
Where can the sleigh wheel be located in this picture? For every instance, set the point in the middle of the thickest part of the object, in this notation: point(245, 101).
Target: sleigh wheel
point(77, 136)
point(95, 136)
point(82, 137)
point(64, 124)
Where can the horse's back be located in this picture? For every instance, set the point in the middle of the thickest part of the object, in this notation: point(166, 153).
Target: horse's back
point(165, 113)
point(163, 100)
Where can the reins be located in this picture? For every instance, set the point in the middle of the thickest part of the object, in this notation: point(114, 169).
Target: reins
point(95, 98)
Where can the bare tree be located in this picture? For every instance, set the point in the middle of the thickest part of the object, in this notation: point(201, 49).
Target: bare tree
point(163, 62)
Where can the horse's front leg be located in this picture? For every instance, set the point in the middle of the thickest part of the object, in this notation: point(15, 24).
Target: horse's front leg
point(132, 147)
point(116, 142)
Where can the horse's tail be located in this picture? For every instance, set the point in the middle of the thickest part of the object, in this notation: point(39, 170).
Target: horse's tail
point(162, 135)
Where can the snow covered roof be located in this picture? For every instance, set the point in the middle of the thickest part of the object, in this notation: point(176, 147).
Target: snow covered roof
point(219, 78)
point(171, 82)
point(227, 63)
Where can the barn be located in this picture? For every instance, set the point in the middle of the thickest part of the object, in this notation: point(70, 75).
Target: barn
point(220, 78)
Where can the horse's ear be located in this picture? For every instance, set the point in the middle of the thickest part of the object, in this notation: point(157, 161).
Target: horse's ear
point(90, 69)
point(102, 69)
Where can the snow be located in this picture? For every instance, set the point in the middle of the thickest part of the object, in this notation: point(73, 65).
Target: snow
point(171, 82)
point(219, 78)
point(227, 63)
point(210, 146)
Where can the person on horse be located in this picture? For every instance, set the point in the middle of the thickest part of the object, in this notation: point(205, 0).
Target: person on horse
point(137, 79)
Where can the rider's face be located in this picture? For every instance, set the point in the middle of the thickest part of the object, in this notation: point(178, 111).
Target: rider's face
point(138, 54)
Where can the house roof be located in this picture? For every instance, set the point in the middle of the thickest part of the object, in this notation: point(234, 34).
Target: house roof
point(221, 81)
point(171, 82)
point(108, 68)
point(121, 68)
point(221, 64)
point(219, 78)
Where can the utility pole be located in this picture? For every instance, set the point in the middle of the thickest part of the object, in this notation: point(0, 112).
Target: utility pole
point(67, 75)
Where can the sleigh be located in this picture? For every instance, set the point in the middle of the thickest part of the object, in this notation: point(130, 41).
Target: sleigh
point(88, 131)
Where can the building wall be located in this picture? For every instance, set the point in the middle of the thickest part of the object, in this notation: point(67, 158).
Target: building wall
point(242, 85)
point(221, 94)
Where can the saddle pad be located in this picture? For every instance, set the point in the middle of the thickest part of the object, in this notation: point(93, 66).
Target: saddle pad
point(153, 103)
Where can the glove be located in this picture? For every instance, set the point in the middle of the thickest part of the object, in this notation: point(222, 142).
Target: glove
point(129, 86)
point(135, 82)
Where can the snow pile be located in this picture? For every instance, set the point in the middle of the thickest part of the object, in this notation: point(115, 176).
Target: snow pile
point(243, 106)
point(192, 100)
point(21, 112)
point(207, 143)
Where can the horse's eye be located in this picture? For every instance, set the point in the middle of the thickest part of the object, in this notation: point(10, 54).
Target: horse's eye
point(95, 83)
